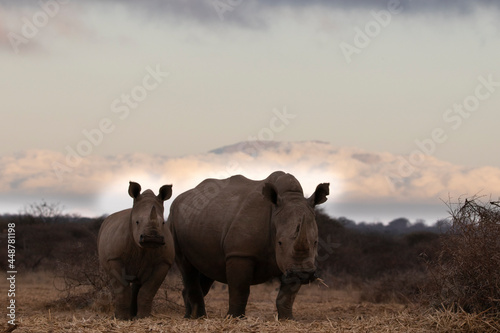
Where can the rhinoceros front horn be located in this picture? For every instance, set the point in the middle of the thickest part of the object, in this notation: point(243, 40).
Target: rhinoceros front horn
point(301, 243)
point(152, 216)
point(150, 236)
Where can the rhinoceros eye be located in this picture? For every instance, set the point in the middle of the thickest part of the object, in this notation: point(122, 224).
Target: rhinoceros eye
point(137, 222)
point(279, 243)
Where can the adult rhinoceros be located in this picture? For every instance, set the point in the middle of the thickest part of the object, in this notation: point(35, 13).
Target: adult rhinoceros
point(136, 249)
point(244, 232)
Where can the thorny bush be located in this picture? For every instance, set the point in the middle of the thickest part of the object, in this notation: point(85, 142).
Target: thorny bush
point(467, 271)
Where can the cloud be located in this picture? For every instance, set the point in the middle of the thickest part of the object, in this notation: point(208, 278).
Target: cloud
point(75, 21)
point(29, 26)
point(241, 9)
point(255, 14)
point(356, 177)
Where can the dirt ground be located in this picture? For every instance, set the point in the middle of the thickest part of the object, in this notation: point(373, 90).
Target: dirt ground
point(40, 307)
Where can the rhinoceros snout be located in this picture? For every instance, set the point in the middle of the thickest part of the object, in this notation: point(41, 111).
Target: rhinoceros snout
point(151, 240)
point(302, 277)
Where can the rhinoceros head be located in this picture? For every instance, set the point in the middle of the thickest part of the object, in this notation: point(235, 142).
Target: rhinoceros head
point(146, 218)
point(293, 217)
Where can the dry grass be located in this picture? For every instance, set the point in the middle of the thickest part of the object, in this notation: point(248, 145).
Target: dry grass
point(41, 308)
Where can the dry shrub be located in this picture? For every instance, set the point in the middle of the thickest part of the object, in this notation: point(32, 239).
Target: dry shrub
point(85, 286)
point(400, 287)
point(467, 273)
point(82, 282)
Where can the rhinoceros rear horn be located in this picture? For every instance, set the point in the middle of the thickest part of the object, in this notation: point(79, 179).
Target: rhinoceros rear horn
point(319, 196)
point(134, 189)
point(165, 192)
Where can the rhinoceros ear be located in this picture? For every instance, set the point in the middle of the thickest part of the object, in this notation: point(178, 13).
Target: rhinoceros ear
point(319, 196)
point(134, 190)
point(270, 193)
point(165, 192)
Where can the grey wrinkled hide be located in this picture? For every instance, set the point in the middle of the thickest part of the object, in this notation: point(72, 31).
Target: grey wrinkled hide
point(244, 232)
point(136, 249)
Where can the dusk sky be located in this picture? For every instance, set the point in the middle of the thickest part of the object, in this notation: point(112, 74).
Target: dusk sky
point(82, 82)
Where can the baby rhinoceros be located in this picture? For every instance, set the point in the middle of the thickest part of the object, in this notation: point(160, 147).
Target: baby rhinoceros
point(136, 249)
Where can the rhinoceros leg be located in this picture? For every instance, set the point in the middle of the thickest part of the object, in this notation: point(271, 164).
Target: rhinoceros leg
point(205, 283)
point(285, 299)
point(123, 300)
point(192, 292)
point(148, 289)
point(133, 303)
point(121, 290)
point(239, 273)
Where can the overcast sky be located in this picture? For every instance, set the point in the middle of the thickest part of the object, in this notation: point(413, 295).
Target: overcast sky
point(182, 77)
